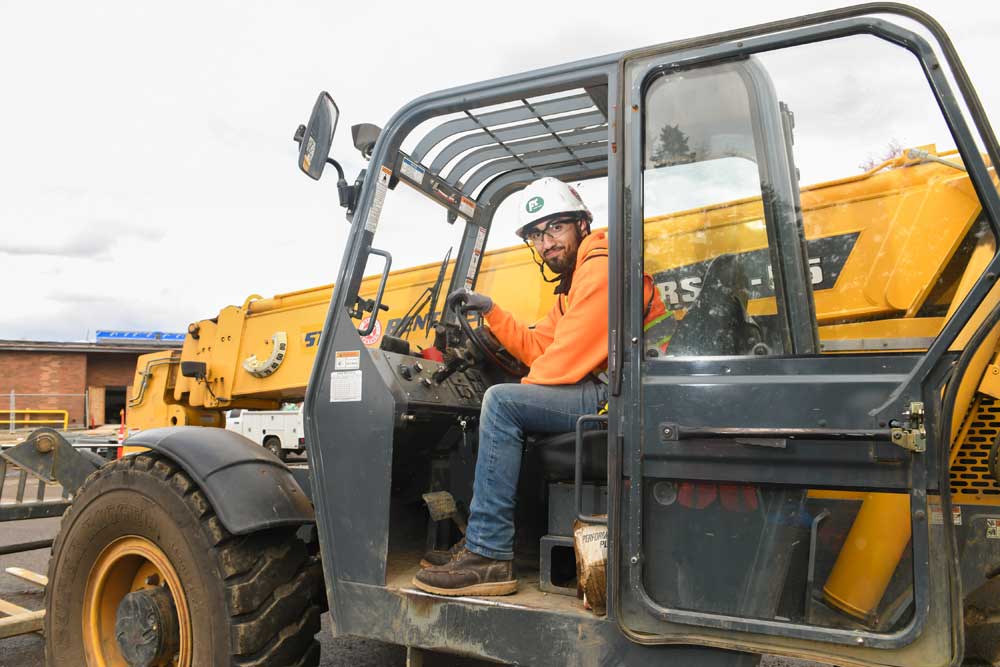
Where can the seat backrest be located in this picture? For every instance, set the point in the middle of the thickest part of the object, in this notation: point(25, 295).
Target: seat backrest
point(717, 322)
point(556, 455)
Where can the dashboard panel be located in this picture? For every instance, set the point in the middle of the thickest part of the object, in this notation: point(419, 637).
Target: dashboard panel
point(414, 379)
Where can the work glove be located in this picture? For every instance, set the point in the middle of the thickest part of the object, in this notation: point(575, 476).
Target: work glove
point(474, 300)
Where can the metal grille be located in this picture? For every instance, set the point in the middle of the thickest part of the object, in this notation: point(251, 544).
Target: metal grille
point(530, 137)
point(970, 473)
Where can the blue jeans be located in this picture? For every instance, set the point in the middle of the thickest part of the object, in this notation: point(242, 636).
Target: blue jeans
point(510, 411)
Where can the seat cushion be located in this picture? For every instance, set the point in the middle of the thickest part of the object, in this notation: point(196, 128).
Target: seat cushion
point(557, 457)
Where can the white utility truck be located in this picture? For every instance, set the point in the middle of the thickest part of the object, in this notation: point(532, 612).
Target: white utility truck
point(278, 430)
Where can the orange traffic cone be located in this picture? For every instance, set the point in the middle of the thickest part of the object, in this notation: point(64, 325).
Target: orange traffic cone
point(121, 435)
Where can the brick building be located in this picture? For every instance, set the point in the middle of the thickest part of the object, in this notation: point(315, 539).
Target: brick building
point(92, 379)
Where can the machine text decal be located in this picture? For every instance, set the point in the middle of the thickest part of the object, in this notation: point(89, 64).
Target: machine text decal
point(681, 285)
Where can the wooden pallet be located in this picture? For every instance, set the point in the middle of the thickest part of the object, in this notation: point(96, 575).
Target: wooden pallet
point(16, 620)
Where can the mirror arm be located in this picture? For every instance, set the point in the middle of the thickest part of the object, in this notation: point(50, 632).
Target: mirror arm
point(344, 191)
point(340, 170)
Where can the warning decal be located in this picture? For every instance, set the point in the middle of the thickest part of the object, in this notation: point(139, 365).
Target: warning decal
point(477, 253)
point(371, 222)
point(347, 360)
point(467, 207)
point(992, 528)
point(937, 517)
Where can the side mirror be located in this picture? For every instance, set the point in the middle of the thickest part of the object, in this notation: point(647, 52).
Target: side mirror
point(194, 369)
point(365, 135)
point(316, 138)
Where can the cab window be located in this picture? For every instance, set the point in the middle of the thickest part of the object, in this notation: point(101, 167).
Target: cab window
point(892, 231)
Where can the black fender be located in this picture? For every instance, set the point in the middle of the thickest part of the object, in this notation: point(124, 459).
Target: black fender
point(249, 488)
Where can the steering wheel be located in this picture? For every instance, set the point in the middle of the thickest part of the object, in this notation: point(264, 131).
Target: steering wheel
point(484, 340)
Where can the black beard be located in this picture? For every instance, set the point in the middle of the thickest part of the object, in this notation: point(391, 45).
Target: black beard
point(562, 265)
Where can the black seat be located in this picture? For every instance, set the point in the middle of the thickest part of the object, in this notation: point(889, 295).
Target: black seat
point(717, 322)
point(555, 452)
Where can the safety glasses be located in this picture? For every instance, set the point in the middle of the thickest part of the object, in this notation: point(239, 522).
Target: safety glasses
point(554, 229)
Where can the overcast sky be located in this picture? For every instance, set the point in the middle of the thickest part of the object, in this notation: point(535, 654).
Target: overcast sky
point(147, 172)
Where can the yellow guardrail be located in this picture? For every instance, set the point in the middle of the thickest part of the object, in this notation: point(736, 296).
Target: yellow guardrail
point(29, 417)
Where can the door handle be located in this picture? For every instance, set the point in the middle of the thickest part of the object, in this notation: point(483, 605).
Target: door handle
point(377, 305)
point(578, 470)
point(673, 432)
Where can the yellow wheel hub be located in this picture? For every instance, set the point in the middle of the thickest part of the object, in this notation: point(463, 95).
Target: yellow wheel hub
point(127, 565)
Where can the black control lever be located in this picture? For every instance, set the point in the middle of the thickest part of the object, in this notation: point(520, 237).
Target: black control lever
point(365, 306)
point(447, 336)
point(455, 360)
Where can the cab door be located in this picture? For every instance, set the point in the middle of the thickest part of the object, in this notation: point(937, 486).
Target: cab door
point(821, 224)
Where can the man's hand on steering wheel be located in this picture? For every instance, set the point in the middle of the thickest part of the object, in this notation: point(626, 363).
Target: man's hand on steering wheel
point(463, 301)
point(474, 301)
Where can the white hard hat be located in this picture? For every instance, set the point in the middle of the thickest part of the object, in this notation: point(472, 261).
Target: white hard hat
point(547, 197)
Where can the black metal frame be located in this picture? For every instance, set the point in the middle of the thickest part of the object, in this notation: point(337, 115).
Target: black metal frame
point(48, 458)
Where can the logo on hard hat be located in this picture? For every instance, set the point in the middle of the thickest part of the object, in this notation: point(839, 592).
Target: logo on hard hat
point(534, 205)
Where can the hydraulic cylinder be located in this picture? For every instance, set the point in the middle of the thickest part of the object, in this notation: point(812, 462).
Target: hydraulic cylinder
point(870, 555)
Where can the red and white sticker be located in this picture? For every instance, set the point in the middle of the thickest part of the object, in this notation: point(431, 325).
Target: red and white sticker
point(467, 207)
point(376, 333)
point(937, 517)
point(992, 528)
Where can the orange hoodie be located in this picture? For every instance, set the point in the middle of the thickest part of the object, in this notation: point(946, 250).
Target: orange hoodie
point(572, 340)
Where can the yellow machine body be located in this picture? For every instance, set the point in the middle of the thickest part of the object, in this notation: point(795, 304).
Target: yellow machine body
point(292, 324)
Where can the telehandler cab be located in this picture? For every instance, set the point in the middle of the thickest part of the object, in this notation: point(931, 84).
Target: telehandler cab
point(773, 472)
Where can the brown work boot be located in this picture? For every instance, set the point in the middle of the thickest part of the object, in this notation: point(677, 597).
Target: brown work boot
point(468, 574)
point(439, 557)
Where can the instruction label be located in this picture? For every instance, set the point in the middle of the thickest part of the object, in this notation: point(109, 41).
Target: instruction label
point(412, 171)
point(992, 528)
point(477, 253)
point(347, 360)
point(371, 223)
point(345, 386)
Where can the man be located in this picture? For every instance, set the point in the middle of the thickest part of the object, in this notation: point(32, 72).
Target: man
point(566, 353)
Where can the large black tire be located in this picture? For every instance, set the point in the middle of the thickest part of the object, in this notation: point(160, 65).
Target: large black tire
point(254, 600)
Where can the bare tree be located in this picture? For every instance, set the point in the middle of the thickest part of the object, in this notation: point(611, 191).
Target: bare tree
point(893, 149)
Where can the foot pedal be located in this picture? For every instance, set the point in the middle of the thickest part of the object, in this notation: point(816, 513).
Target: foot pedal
point(441, 505)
